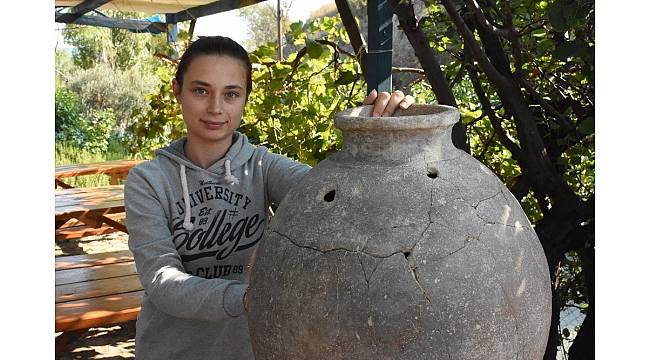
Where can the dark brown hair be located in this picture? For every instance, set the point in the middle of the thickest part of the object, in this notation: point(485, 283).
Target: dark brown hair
point(215, 45)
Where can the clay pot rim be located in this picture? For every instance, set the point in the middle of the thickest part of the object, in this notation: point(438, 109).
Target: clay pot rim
point(418, 116)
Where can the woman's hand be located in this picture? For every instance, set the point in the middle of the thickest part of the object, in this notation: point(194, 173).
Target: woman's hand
point(386, 104)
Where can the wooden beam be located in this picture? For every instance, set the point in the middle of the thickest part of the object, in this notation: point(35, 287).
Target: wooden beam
point(128, 24)
point(78, 10)
point(208, 9)
point(380, 46)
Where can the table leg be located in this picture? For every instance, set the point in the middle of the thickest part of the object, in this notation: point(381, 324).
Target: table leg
point(114, 179)
point(115, 224)
point(60, 183)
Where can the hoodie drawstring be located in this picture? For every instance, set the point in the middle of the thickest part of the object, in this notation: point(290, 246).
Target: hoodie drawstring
point(229, 178)
point(187, 222)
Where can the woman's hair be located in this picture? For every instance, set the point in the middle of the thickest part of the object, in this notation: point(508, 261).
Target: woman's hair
point(215, 45)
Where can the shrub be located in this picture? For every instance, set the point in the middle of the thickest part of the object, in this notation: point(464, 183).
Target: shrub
point(123, 91)
point(90, 131)
point(67, 109)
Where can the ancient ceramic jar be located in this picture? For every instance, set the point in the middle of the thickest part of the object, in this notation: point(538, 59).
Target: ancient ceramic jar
point(400, 246)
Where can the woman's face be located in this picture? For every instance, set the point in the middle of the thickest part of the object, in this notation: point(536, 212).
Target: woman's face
point(212, 98)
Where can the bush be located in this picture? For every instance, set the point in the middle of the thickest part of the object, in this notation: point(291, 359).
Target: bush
point(90, 131)
point(123, 91)
point(67, 109)
point(160, 123)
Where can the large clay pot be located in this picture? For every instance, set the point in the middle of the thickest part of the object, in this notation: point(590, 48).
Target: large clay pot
point(400, 246)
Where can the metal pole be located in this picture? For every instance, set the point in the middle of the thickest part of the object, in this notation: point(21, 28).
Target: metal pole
point(279, 32)
point(380, 45)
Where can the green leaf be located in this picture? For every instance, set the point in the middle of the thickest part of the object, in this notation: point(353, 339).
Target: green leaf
point(345, 78)
point(555, 13)
point(314, 49)
point(296, 29)
point(276, 84)
point(587, 126)
point(322, 127)
point(544, 45)
point(538, 33)
point(569, 49)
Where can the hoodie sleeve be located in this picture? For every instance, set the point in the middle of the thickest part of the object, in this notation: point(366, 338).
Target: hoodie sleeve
point(159, 266)
point(281, 174)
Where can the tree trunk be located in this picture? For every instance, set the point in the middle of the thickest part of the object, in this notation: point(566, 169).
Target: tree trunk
point(583, 344)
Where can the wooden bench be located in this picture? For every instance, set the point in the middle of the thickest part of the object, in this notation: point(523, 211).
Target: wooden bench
point(94, 290)
point(75, 229)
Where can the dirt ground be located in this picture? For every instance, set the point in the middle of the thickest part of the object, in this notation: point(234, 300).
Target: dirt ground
point(115, 342)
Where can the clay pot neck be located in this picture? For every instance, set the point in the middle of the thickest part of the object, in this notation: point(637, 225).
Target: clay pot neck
point(419, 130)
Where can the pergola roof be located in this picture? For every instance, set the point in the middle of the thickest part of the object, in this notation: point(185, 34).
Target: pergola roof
point(145, 6)
point(175, 11)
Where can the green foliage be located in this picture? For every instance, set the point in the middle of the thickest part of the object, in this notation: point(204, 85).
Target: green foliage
point(116, 48)
point(110, 71)
point(64, 65)
point(103, 87)
point(292, 106)
point(261, 22)
point(90, 130)
point(570, 288)
point(67, 109)
point(160, 122)
point(580, 165)
point(557, 40)
point(88, 44)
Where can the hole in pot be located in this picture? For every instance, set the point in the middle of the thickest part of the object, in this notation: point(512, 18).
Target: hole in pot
point(432, 173)
point(329, 197)
point(407, 254)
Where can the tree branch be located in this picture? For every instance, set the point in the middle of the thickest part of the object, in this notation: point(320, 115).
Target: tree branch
point(356, 39)
point(336, 47)
point(167, 58)
point(520, 187)
point(487, 25)
point(494, 120)
point(562, 120)
point(419, 41)
point(459, 74)
point(477, 52)
point(426, 56)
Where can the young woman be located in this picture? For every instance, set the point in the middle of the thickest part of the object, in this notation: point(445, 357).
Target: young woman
point(197, 211)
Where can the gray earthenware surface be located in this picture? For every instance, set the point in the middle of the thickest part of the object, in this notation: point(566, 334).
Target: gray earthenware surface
point(400, 246)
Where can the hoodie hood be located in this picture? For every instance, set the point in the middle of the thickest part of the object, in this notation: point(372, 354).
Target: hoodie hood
point(237, 155)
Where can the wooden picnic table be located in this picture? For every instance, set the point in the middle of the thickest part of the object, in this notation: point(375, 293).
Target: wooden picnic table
point(116, 169)
point(94, 290)
point(90, 206)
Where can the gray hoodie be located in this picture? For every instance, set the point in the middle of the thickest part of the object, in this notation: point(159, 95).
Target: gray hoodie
point(193, 232)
